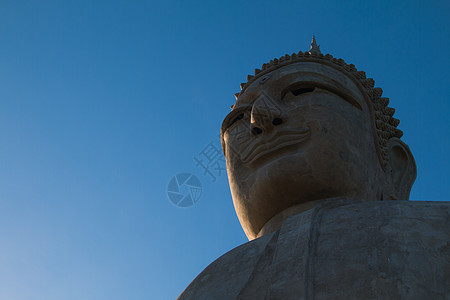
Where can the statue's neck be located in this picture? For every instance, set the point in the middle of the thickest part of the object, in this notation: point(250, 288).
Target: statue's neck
point(276, 221)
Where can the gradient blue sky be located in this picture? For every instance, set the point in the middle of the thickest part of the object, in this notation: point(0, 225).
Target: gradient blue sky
point(102, 102)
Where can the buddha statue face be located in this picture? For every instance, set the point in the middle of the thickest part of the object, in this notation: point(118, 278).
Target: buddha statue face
point(301, 133)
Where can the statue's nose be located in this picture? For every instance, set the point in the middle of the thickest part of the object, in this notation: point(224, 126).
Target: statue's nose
point(265, 115)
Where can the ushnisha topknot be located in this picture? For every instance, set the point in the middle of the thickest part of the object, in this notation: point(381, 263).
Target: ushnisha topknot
point(385, 124)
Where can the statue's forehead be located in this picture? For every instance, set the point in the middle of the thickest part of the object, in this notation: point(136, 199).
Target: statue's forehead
point(307, 72)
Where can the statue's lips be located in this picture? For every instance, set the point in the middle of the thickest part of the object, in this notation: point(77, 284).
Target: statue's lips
point(266, 146)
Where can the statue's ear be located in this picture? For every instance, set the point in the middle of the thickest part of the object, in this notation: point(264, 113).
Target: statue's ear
point(402, 169)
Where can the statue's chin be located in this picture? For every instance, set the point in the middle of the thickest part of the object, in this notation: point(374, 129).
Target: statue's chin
point(280, 184)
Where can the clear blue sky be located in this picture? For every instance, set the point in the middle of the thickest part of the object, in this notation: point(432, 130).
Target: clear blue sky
point(102, 102)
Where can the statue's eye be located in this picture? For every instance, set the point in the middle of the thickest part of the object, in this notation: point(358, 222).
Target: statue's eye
point(237, 118)
point(297, 92)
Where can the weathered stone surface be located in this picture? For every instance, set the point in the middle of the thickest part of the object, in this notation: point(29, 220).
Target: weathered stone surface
point(314, 160)
point(306, 132)
point(340, 250)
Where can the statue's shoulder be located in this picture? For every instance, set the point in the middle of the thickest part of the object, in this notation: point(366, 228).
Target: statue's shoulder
point(360, 250)
point(386, 249)
point(226, 275)
point(365, 213)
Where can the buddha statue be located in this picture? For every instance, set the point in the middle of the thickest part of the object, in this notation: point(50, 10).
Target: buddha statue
point(320, 181)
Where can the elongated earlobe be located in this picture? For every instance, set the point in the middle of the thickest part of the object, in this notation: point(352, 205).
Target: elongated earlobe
point(402, 170)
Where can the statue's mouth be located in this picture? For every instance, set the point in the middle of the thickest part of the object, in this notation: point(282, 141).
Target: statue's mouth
point(266, 146)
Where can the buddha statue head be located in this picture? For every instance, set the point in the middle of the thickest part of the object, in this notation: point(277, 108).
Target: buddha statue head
point(308, 127)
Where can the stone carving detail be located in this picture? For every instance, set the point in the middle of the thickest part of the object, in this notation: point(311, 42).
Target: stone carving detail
point(315, 162)
point(386, 124)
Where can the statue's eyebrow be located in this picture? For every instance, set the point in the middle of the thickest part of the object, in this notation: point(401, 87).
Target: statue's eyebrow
point(308, 86)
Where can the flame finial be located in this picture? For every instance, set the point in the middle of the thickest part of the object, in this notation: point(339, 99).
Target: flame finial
point(314, 47)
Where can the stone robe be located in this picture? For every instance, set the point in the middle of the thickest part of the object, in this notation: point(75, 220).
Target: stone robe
point(365, 250)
